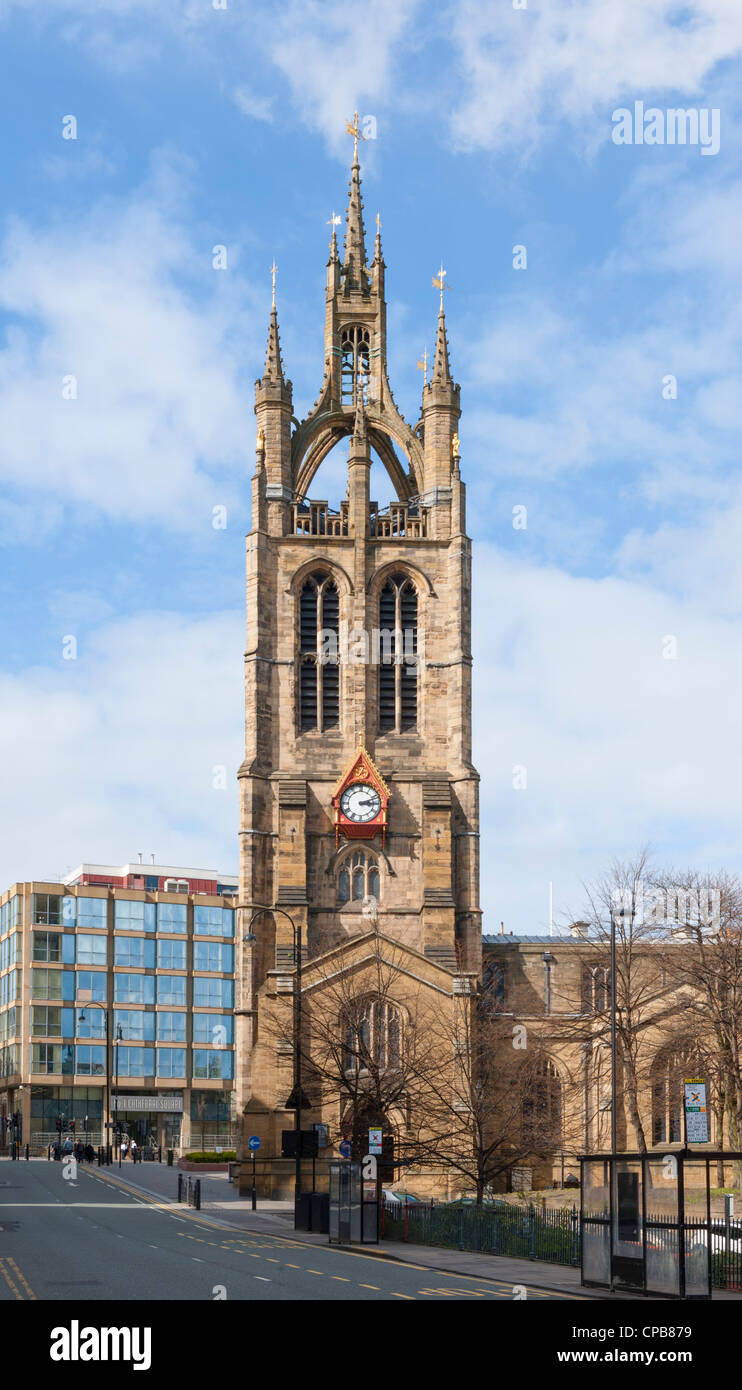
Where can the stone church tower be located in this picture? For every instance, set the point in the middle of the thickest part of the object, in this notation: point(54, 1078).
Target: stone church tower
point(358, 656)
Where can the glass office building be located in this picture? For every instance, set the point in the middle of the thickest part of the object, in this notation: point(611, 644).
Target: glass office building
point(117, 1004)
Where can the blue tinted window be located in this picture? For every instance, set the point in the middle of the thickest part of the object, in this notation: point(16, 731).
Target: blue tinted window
point(135, 1025)
point(213, 921)
point(171, 1027)
point(90, 1061)
point(91, 984)
point(134, 916)
point(136, 1061)
point(172, 917)
point(213, 994)
point(171, 989)
point(217, 1029)
point(68, 949)
point(92, 912)
point(212, 955)
point(171, 955)
point(171, 1061)
point(212, 1065)
point(134, 952)
point(134, 989)
point(91, 1023)
point(91, 950)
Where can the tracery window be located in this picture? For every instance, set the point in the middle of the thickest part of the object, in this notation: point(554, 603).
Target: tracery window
point(671, 1067)
point(354, 372)
point(398, 651)
point(319, 672)
point(358, 878)
point(596, 988)
point(373, 1035)
point(542, 1105)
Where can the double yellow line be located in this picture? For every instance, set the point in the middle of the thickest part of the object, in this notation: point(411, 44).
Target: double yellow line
point(11, 1273)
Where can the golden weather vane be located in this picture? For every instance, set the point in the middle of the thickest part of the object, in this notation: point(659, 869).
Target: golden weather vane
point(422, 366)
point(274, 268)
point(439, 282)
point(353, 128)
point(378, 224)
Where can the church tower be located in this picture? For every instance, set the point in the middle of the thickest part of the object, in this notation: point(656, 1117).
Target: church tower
point(357, 786)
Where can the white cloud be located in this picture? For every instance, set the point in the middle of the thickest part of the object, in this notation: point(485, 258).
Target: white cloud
point(250, 104)
point(115, 751)
point(520, 71)
point(621, 745)
point(127, 302)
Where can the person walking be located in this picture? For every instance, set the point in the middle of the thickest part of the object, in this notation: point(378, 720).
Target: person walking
point(134, 1150)
point(89, 1153)
point(124, 1148)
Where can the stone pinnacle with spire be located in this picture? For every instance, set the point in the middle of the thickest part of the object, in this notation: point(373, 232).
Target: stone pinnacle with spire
point(273, 364)
point(355, 273)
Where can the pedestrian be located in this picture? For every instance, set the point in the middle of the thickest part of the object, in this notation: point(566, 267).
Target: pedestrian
point(124, 1147)
point(89, 1153)
point(134, 1150)
point(80, 1151)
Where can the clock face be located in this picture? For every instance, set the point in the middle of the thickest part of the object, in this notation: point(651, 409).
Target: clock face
point(360, 802)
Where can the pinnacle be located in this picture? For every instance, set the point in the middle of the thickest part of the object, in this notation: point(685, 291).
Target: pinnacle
point(441, 368)
point(273, 363)
point(354, 247)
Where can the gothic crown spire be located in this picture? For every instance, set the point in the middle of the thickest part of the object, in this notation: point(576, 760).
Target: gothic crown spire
point(273, 363)
point(354, 248)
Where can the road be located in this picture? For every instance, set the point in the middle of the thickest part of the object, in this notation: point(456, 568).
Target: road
point(85, 1237)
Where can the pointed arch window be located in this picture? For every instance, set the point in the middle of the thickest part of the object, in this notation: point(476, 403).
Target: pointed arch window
point(358, 878)
point(398, 656)
point(373, 1035)
point(355, 348)
point(319, 672)
point(541, 1119)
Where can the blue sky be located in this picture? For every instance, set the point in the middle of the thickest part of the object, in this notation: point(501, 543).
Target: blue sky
point(200, 126)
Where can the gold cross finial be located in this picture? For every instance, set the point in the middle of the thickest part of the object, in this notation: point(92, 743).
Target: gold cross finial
point(354, 129)
point(439, 282)
point(422, 366)
point(378, 224)
point(274, 268)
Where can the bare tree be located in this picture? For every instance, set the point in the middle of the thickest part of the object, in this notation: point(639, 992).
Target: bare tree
point(365, 1044)
point(497, 1102)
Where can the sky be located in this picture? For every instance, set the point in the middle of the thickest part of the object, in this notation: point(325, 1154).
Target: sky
point(599, 383)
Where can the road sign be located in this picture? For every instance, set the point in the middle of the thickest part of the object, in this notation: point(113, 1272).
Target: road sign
point(253, 1142)
point(374, 1141)
point(346, 1149)
point(696, 1112)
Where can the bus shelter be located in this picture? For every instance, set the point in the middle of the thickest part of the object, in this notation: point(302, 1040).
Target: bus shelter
point(646, 1224)
point(354, 1206)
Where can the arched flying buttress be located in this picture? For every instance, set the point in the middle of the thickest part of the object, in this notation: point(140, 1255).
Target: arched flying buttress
point(315, 437)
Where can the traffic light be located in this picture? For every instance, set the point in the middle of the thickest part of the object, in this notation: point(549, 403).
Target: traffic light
point(72, 1126)
point(60, 1123)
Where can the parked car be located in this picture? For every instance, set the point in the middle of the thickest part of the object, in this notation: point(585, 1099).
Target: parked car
point(396, 1201)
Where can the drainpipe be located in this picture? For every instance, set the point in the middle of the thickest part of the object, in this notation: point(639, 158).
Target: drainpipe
point(547, 958)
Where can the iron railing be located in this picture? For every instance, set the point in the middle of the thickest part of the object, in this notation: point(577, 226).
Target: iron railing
point(552, 1234)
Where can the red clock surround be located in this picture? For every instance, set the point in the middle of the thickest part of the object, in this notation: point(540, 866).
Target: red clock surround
point(361, 772)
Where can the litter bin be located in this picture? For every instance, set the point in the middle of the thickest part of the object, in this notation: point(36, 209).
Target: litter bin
point(303, 1212)
point(320, 1212)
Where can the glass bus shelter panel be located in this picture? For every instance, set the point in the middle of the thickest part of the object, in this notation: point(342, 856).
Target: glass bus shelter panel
point(662, 1228)
point(335, 1203)
point(627, 1263)
point(596, 1230)
point(704, 1241)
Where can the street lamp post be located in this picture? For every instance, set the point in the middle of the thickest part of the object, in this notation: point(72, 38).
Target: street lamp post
point(613, 1032)
point(296, 930)
point(107, 1126)
point(119, 1036)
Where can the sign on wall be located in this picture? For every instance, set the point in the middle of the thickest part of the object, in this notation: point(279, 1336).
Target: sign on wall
point(163, 1105)
point(696, 1112)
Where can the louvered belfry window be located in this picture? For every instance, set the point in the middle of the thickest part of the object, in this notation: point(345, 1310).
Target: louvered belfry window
point(398, 656)
point(319, 673)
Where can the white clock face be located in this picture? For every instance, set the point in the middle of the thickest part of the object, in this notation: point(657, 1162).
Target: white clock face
point(360, 803)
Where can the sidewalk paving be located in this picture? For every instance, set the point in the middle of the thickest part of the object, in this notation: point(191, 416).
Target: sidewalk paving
point(221, 1202)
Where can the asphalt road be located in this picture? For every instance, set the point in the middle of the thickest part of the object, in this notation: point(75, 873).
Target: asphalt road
point(69, 1232)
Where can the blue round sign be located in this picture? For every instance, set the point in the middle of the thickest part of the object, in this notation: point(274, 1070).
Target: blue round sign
point(253, 1142)
point(345, 1148)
